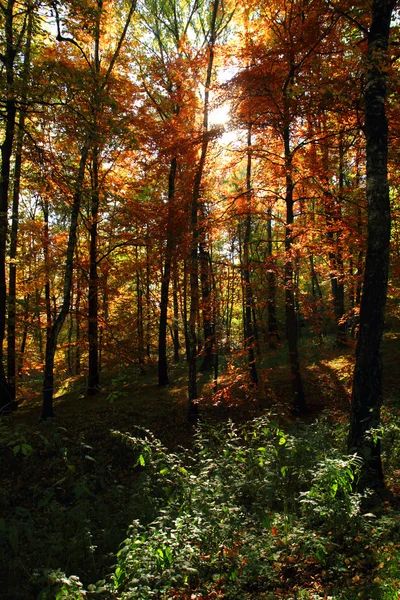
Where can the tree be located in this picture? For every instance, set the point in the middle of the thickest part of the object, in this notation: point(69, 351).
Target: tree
point(12, 292)
point(13, 24)
point(91, 124)
point(367, 383)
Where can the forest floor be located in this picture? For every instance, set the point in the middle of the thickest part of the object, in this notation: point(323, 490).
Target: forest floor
point(67, 486)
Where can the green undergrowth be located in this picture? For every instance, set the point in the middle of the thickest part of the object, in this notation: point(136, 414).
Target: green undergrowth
point(247, 511)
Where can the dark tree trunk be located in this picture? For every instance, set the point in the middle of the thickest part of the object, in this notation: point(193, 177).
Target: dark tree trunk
point(206, 305)
point(148, 306)
point(249, 337)
point(38, 327)
point(166, 276)
point(139, 322)
point(299, 401)
point(6, 151)
point(176, 317)
point(54, 330)
point(336, 275)
point(193, 411)
point(273, 334)
point(78, 326)
point(24, 335)
point(93, 294)
point(70, 366)
point(185, 310)
point(47, 291)
point(367, 382)
point(12, 285)
point(93, 291)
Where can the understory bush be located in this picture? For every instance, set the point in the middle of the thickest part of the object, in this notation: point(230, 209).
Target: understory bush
point(246, 512)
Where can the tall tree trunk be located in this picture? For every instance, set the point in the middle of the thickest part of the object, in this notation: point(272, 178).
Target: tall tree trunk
point(78, 331)
point(139, 321)
point(273, 334)
point(70, 366)
point(93, 292)
point(194, 222)
point(24, 335)
point(12, 285)
point(176, 315)
point(367, 382)
point(247, 291)
point(54, 330)
point(206, 302)
point(6, 152)
point(148, 306)
point(185, 310)
point(299, 401)
point(38, 327)
point(166, 276)
point(93, 295)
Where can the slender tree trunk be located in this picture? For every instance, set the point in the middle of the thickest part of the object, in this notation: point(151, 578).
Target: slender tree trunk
point(70, 366)
point(176, 316)
point(196, 195)
point(317, 297)
point(93, 292)
point(148, 307)
point(6, 153)
point(273, 334)
point(247, 291)
point(12, 285)
point(299, 401)
point(46, 251)
point(185, 310)
point(24, 335)
point(93, 296)
point(139, 322)
point(78, 326)
point(166, 276)
point(206, 300)
point(38, 327)
point(54, 330)
point(367, 382)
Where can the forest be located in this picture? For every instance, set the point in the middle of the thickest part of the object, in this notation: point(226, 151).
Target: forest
point(199, 299)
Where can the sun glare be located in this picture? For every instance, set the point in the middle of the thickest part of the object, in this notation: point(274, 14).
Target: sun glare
point(220, 115)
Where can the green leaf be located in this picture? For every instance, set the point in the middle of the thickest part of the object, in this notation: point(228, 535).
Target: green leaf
point(26, 449)
point(16, 449)
point(142, 462)
point(168, 555)
point(334, 489)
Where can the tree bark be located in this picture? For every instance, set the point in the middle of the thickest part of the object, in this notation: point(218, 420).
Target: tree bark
point(367, 383)
point(249, 337)
point(176, 316)
point(206, 300)
point(54, 330)
point(193, 410)
point(299, 401)
point(273, 333)
point(93, 294)
point(12, 285)
point(163, 378)
point(6, 153)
